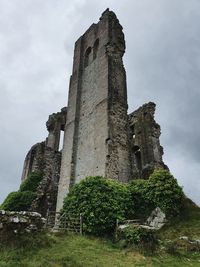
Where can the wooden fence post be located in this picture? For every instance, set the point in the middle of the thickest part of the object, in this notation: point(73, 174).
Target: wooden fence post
point(81, 224)
point(117, 224)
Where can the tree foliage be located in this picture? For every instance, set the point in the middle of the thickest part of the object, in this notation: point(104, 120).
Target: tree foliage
point(163, 190)
point(142, 205)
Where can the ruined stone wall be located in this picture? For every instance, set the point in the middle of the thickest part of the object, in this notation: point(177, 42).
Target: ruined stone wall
point(13, 224)
point(144, 135)
point(55, 124)
point(34, 161)
point(118, 157)
point(45, 158)
point(96, 131)
point(48, 187)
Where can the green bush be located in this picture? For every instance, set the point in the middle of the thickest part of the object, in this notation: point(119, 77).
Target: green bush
point(18, 201)
point(135, 236)
point(142, 206)
point(164, 191)
point(100, 201)
point(22, 199)
point(31, 182)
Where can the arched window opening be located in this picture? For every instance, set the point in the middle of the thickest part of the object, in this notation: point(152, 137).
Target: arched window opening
point(95, 48)
point(87, 56)
point(137, 153)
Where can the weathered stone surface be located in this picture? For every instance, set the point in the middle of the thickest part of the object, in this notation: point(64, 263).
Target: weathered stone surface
point(96, 132)
point(145, 145)
point(45, 158)
point(36, 158)
point(48, 187)
point(156, 220)
point(55, 124)
point(16, 223)
point(189, 240)
point(34, 161)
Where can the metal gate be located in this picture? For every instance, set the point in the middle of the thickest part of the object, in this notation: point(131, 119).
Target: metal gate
point(64, 221)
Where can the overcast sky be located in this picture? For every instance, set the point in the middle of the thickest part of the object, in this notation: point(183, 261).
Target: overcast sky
point(162, 62)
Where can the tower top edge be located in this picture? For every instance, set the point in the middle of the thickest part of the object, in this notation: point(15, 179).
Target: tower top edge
point(106, 15)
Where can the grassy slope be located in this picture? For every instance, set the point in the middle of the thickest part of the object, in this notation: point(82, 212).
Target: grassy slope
point(76, 251)
point(189, 225)
point(79, 251)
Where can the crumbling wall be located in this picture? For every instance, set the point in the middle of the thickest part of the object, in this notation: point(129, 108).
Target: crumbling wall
point(146, 150)
point(45, 158)
point(118, 158)
point(13, 224)
point(34, 161)
point(48, 187)
point(55, 124)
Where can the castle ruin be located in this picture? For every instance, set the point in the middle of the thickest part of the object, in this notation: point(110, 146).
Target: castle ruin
point(100, 138)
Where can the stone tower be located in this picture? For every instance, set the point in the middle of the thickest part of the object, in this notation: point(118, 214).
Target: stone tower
point(96, 138)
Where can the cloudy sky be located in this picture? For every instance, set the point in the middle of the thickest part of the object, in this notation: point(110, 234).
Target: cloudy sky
point(162, 61)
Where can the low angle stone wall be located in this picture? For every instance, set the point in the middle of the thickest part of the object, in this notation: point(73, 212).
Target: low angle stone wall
point(14, 223)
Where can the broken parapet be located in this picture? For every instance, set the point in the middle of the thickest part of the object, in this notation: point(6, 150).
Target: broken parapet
point(45, 158)
point(35, 159)
point(146, 150)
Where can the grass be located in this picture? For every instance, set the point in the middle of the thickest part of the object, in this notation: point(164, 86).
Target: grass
point(188, 225)
point(62, 250)
point(80, 251)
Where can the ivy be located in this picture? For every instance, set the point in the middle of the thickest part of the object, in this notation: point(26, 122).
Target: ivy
point(101, 201)
point(31, 182)
point(18, 201)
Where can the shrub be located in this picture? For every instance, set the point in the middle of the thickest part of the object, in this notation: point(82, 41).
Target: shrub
point(31, 182)
point(142, 238)
point(22, 199)
point(164, 191)
point(18, 201)
point(101, 201)
point(142, 206)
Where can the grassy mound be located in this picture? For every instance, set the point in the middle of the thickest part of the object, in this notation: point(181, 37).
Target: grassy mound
point(80, 251)
point(64, 250)
point(188, 225)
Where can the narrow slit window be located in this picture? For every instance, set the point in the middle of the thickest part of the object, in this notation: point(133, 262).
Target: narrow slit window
point(95, 48)
point(87, 56)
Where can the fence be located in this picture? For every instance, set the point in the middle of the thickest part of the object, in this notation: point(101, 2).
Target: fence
point(63, 221)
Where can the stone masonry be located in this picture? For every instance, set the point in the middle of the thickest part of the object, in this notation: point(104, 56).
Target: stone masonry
point(100, 138)
point(146, 151)
point(45, 158)
point(96, 131)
